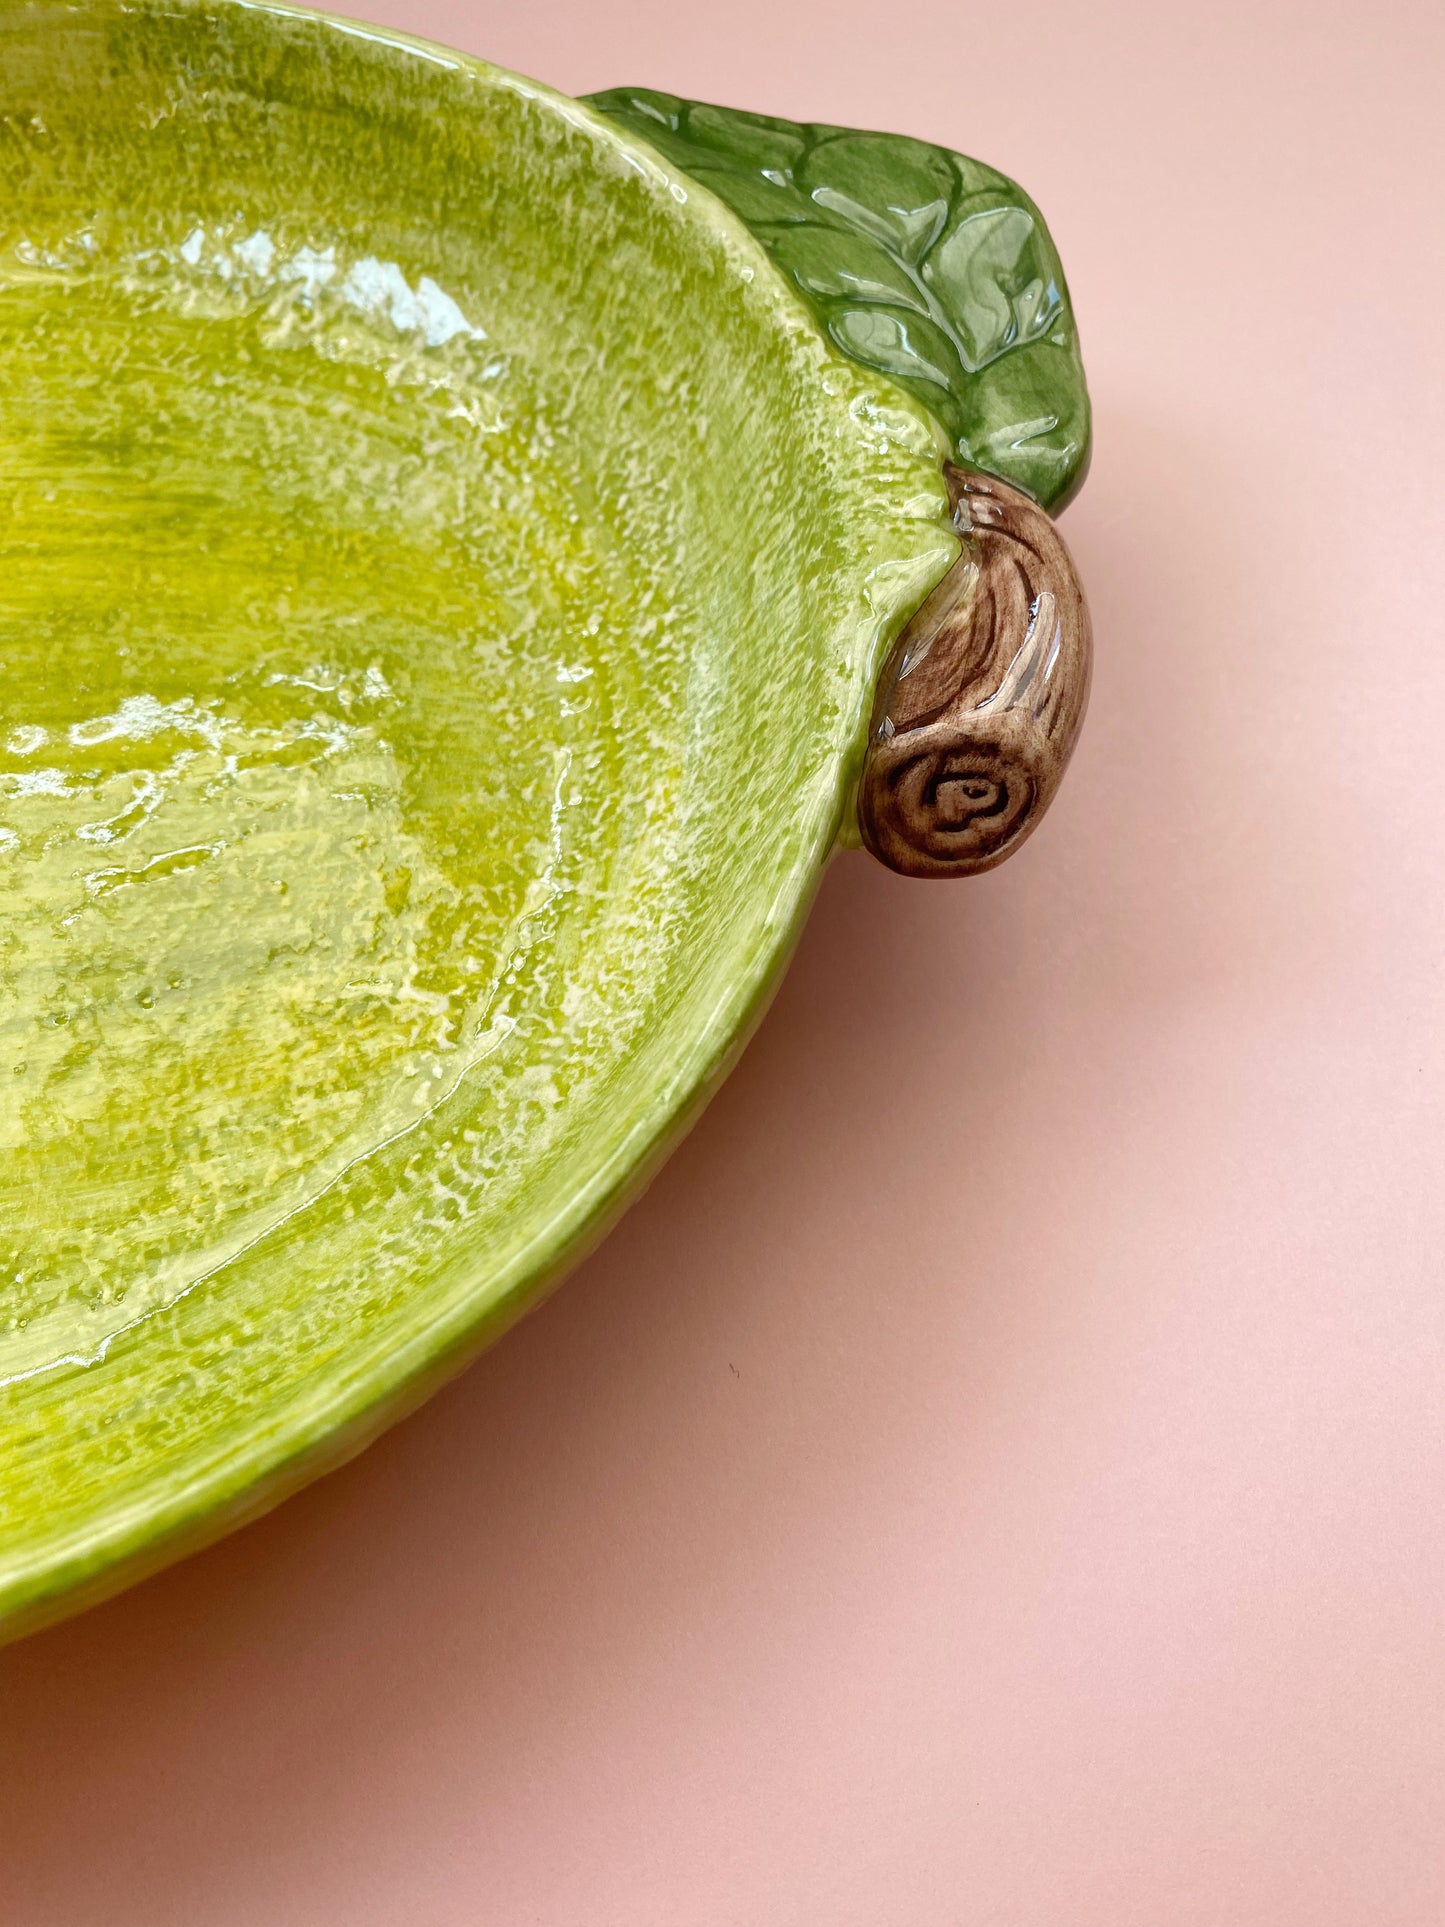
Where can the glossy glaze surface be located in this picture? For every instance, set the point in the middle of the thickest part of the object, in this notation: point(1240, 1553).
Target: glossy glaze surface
point(341, 739)
point(416, 750)
point(920, 263)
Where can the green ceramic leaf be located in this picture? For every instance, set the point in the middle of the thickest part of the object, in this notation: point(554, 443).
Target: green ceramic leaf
point(928, 267)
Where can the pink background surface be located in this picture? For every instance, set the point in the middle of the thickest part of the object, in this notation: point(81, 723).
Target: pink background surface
point(996, 1474)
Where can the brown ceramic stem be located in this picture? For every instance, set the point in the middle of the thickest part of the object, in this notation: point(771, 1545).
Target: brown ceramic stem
point(981, 700)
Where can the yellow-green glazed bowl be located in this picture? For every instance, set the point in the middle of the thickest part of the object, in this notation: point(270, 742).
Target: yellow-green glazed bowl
point(447, 564)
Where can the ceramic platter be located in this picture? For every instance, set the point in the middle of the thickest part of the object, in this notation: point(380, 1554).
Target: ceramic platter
point(456, 565)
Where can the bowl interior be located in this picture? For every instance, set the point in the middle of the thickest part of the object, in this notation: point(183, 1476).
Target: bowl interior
point(439, 591)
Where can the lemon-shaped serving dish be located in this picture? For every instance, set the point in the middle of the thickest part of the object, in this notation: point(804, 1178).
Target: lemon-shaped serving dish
point(447, 565)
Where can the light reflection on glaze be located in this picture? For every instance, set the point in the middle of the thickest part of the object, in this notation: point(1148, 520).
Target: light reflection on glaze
point(220, 868)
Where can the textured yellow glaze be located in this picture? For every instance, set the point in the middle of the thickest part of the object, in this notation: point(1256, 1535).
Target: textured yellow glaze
point(338, 749)
point(441, 580)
